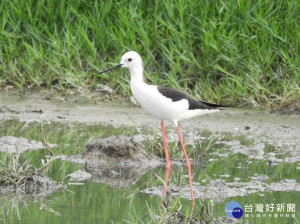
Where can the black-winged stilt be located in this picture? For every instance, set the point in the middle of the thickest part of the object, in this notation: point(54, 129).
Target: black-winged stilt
point(165, 104)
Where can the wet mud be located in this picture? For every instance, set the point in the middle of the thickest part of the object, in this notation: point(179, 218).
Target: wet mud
point(11, 144)
point(219, 190)
point(292, 109)
point(118, 161)
point(260, 126)
point(34, 185)
point(254, 123)
point(257, 134)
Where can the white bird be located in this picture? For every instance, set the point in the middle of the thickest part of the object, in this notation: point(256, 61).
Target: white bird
point(165, 104)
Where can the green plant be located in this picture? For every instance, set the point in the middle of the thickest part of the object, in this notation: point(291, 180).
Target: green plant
point(233, 52)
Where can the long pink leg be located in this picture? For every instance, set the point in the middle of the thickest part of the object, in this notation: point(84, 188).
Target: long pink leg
point(188, 165)
point(168, 164)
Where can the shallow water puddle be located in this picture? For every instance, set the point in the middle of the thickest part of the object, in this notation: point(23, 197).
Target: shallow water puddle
point(225, 167)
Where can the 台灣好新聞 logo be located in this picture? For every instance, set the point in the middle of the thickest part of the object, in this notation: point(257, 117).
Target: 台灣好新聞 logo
point(233, 209)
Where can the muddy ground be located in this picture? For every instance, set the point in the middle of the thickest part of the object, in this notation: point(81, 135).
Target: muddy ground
point(117, 161)
point(259, 125)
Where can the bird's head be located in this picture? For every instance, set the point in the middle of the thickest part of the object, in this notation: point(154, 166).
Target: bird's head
point(130, 60)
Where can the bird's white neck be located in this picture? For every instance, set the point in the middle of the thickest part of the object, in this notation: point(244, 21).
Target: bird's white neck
point(136, 74)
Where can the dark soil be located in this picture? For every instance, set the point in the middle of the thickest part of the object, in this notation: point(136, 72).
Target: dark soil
point(35, 184)
point(291, 109)
point(118, 161)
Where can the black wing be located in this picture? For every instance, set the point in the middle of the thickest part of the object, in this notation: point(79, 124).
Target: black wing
point(176, 95)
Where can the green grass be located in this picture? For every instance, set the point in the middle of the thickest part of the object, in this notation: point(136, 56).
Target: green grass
point(237, 52)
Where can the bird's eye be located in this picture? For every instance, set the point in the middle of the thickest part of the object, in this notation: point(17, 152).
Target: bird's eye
point(129, 59)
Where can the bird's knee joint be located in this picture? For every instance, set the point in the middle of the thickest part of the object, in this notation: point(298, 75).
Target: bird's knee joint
point(188, 166)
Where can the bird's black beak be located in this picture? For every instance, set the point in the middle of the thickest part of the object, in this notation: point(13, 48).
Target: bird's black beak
point(117, 66)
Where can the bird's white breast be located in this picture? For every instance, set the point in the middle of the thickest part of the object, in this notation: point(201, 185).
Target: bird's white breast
point(156, 104)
